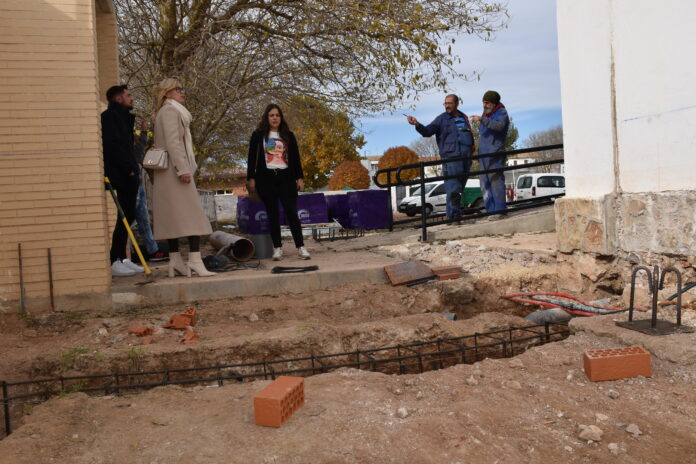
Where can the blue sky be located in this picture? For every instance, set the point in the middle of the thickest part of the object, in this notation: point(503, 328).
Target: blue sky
point(521, 64)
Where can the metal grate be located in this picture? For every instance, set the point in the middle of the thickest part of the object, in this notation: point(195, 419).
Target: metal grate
point(412, 358)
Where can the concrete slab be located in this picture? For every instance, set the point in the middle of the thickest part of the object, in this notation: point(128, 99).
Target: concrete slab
point(539, 220)
point(334, 270)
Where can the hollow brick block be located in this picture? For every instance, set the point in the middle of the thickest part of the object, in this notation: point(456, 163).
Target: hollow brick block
point(617, 363)
point(274, 405)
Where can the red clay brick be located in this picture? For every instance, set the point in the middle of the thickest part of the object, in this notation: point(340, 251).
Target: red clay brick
point(448, 276)
point(617, 363)
point(190, 337)
point(191, 312)
point(183, 320)
point(446, 269)
point(277, 402)
point(179, 322)
point(141, 331)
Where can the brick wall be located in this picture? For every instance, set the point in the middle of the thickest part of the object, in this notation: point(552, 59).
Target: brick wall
point(56, 59)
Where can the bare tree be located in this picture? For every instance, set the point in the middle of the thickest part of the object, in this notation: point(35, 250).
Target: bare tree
point(235, 56)
point(551, 136)
point(426, 149)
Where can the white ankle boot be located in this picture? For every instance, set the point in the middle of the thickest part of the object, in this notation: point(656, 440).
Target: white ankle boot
point(177, 265)
point(195, 264)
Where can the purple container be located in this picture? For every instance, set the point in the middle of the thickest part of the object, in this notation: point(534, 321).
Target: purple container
point(311, 209)
point(338, 209)
point(369, 209)
point(252, 217)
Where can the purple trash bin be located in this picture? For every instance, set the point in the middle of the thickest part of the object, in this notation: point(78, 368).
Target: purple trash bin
point(338, 209)
point(252, 217)
point(369, 209)
point(311, 209)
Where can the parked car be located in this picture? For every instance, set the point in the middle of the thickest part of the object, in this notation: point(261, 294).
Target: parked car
point(436, 197)
point(539, 185)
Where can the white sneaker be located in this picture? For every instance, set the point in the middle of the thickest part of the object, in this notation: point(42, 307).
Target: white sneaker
point(118, 269)
point(132, 266)
point(303, 253)
point(277, 254)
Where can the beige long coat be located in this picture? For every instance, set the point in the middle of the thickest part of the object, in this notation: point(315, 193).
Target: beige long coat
point(176, 208)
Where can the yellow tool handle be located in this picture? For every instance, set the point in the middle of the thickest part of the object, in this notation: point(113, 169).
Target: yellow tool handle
point(147, 270)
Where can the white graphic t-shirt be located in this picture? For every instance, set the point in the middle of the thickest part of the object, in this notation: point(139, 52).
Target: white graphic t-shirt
point(276, 152)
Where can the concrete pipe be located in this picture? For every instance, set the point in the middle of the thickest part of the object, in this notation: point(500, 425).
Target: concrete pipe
point(236, 247)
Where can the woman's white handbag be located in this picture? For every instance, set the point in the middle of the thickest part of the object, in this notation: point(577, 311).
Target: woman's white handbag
point(156, 159)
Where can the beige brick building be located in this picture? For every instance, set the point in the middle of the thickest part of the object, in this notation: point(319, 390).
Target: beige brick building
point(57, 58)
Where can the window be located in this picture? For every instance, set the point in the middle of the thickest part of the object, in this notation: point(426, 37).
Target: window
point(551, 181)
point(440, 190)
point(428, 188)
point(524, 182)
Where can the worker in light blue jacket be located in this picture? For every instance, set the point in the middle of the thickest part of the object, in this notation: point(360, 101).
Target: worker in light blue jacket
point(452, 131)
point(493, 129)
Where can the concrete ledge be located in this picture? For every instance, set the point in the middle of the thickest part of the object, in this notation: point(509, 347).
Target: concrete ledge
point(542, 220)
point(181, 289)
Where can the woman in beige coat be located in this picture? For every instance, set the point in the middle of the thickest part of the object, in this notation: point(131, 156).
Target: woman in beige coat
point(176, 207)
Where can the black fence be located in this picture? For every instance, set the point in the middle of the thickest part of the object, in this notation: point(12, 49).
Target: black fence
point(412, 358)
point(394, 179)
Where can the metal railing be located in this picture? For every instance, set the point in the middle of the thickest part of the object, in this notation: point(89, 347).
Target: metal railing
point(469, 213)
point(411, 358)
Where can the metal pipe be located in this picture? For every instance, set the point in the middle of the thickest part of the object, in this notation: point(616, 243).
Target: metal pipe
point(238, 248)
point(6, 408)
point(679, 288)
point(50, 281)
point(424, 231)
point(633, 287)
point(653, 320)
point(22, 308)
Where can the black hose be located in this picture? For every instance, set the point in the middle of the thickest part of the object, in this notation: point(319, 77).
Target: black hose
point(293, 269)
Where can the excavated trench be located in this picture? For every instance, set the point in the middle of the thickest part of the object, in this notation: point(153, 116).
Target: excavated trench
point(395, 330)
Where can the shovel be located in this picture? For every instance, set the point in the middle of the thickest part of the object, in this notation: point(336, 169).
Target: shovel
point(148, 272)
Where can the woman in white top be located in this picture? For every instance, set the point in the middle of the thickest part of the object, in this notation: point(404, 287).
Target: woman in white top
point(274, 171)
point(177, 209)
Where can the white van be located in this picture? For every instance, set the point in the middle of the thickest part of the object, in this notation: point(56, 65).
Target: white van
point(539, 185)
point(436, 198)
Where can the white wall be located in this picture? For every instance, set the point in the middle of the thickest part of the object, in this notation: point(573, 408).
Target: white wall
point(649, 136)
point(584, 33)
point(655, 52)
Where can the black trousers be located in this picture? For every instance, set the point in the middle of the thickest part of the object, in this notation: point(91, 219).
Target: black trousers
point(127, 197)
point(278, 186)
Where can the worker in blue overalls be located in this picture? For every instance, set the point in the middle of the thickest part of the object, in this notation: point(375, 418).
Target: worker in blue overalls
point(493, 129)
point(453, 134)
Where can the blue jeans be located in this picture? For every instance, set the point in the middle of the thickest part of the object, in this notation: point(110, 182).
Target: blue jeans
point(455, 187)
point(142, 217)
point(493, 184)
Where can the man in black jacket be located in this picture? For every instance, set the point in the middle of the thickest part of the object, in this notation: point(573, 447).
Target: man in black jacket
point(122, 170)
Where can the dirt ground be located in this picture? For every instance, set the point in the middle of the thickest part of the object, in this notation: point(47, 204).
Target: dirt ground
point(525, 409)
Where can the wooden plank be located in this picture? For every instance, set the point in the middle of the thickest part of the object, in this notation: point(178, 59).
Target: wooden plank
point(410, 271)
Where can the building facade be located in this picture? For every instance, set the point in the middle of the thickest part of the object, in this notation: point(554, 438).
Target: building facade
point(629, 120)
point(57, 58)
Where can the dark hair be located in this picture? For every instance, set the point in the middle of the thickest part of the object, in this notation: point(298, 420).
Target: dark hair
point(114, 91)
point(456, 98)
point(265, 128)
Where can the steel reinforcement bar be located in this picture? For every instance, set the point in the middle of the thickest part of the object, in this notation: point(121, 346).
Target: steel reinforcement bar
point(411, 358)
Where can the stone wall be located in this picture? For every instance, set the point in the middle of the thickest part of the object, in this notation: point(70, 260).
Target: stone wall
point(659, 223)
